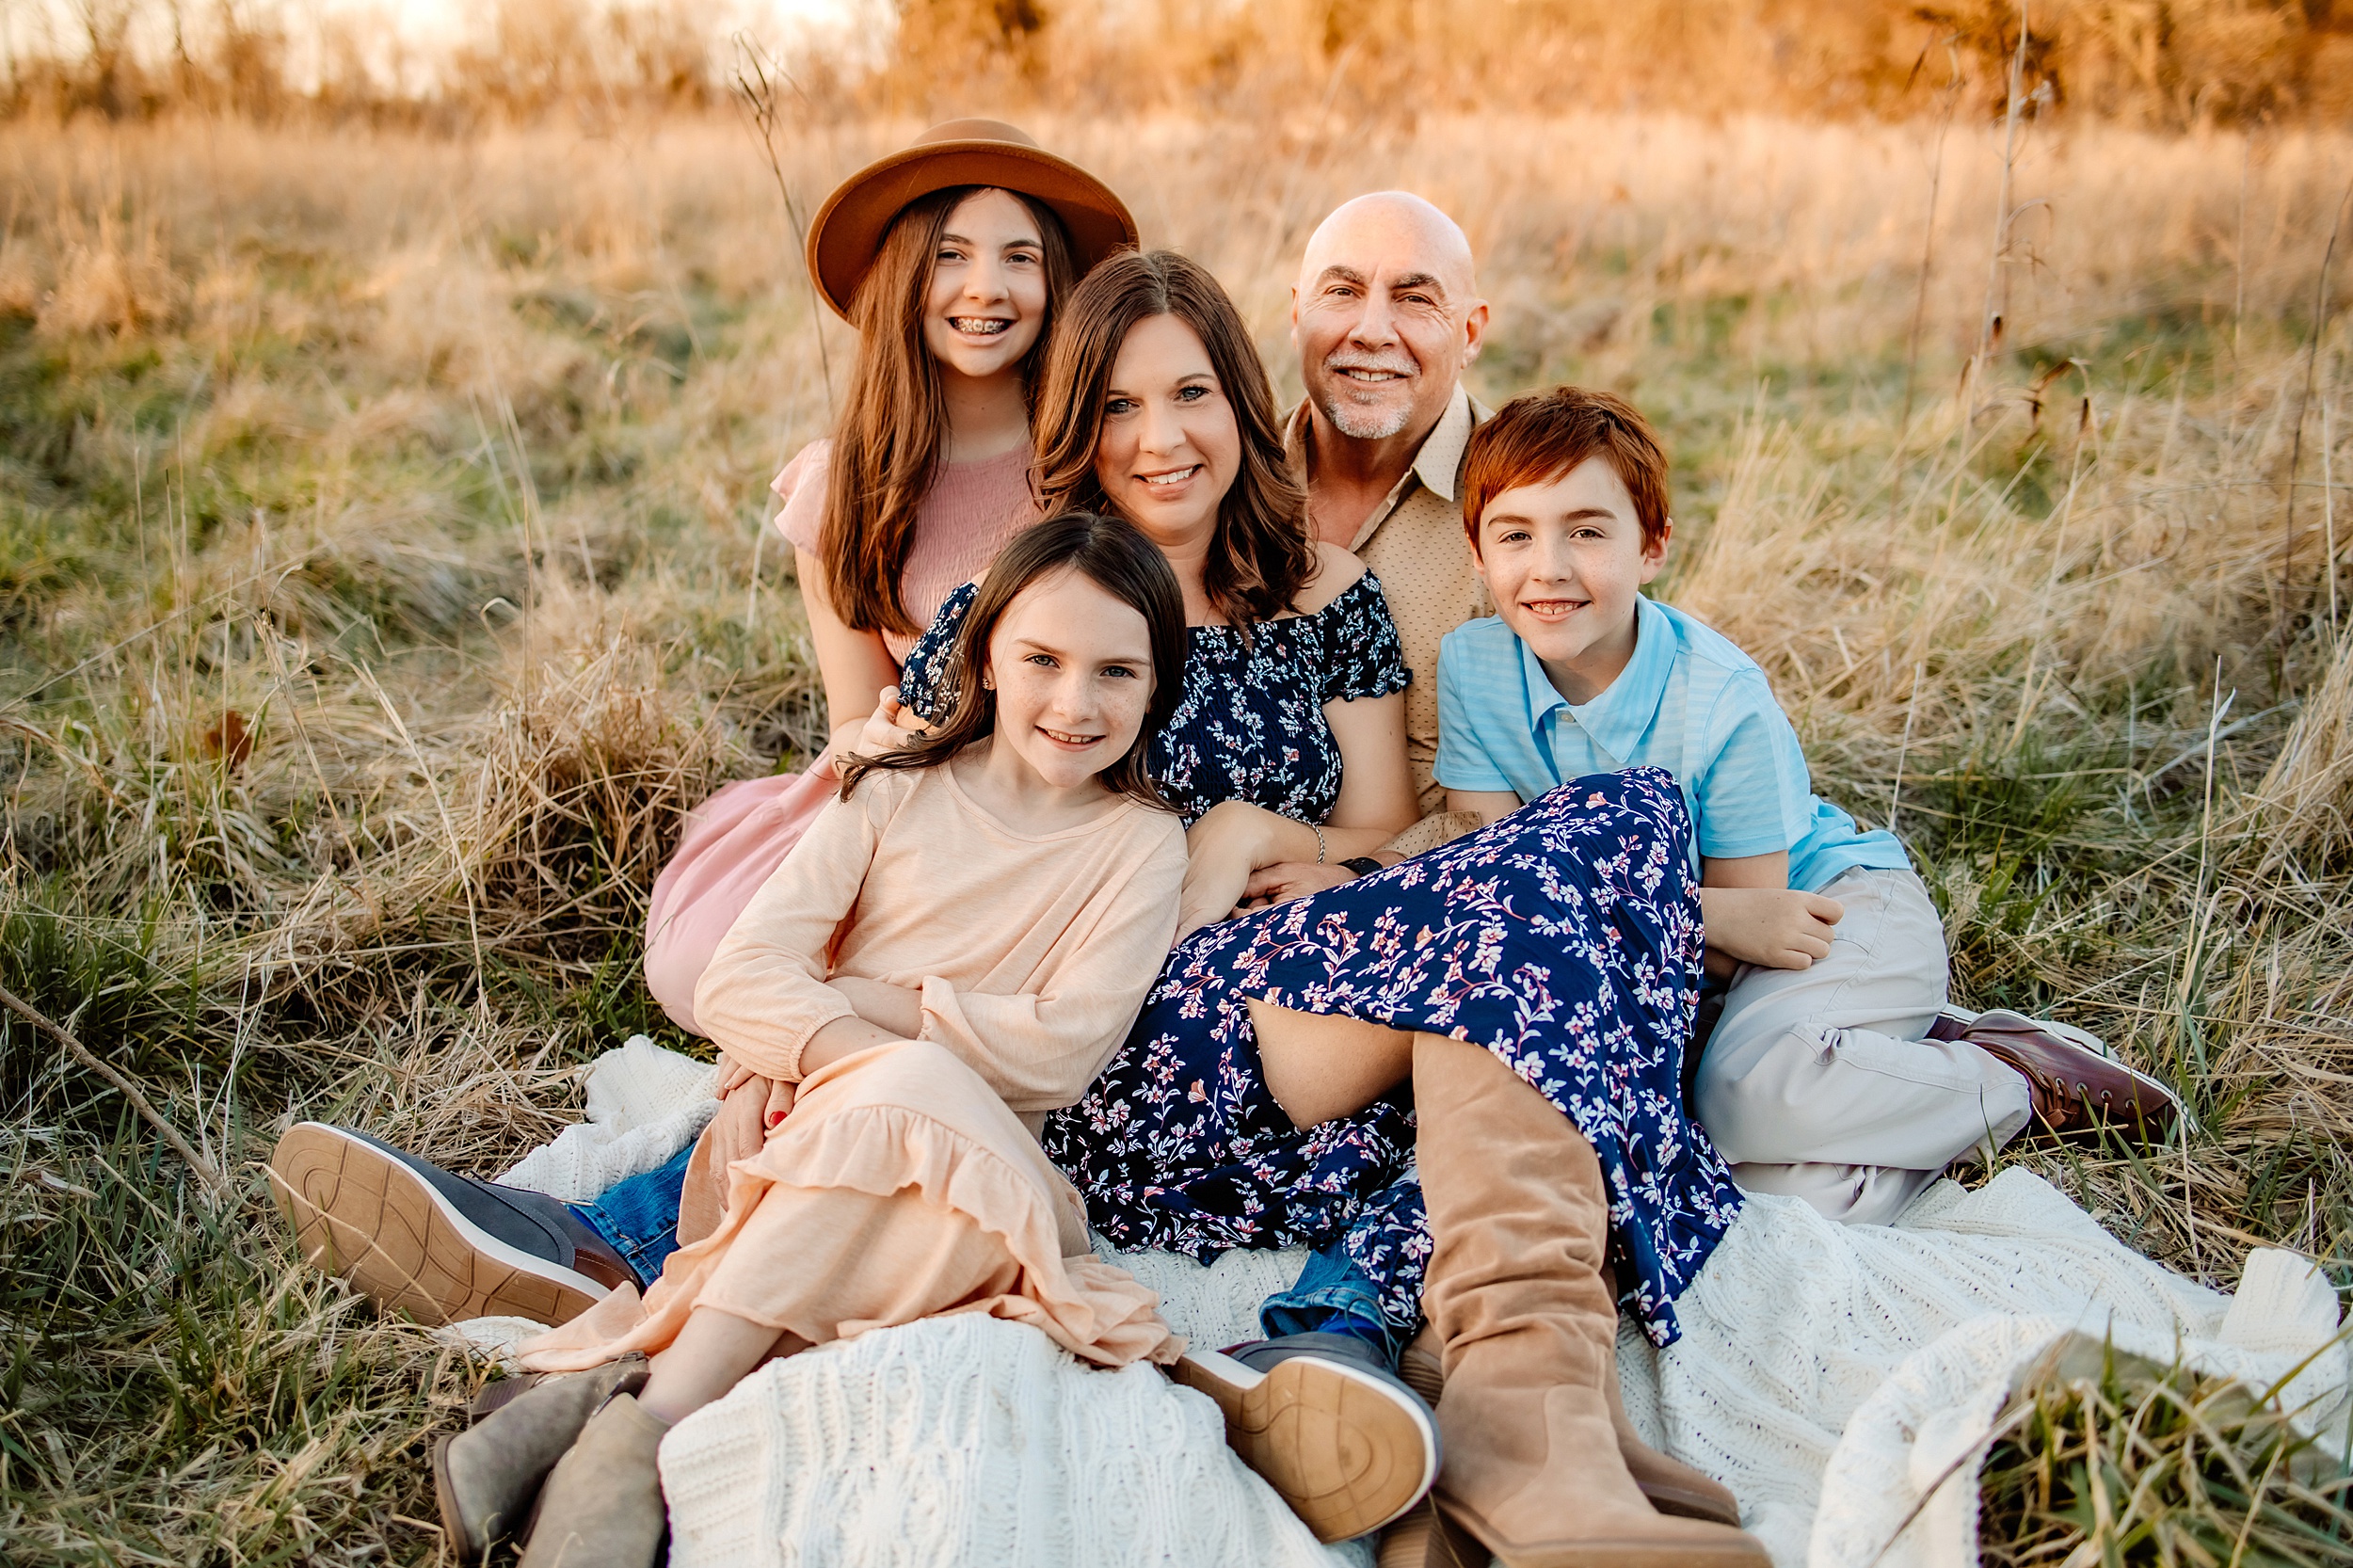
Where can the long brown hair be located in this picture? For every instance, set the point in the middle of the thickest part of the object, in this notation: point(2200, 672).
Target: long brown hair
point(894, 425)
point(1113, 555)
point(1261, 555)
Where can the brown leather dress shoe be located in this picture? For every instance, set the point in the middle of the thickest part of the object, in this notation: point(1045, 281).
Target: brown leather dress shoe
point(2073, 1080)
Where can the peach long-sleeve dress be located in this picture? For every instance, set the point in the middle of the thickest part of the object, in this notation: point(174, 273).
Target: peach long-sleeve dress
point(905, 1183)
point(743, 832)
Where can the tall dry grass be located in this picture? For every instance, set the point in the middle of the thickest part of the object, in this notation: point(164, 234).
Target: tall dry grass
point(438, 465)
point(2185, 63)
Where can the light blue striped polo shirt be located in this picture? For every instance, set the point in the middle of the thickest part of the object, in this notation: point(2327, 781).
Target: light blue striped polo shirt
point(1688, 701)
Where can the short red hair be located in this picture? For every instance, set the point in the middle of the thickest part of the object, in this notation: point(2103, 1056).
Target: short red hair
point(1539, 437)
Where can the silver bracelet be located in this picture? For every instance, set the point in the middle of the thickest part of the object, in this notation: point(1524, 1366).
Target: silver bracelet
point(1321, 846)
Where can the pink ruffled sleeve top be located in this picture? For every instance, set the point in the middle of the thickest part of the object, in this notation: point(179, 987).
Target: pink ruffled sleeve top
point(972, 509)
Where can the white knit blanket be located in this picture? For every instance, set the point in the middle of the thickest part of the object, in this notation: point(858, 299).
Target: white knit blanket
point(1831, 1375)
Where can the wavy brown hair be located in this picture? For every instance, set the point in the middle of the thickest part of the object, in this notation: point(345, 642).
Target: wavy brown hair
point(1262, 556)
point(1113, 555)
point(894, 425)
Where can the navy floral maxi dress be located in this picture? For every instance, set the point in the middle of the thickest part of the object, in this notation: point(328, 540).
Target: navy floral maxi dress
point(1565, 939)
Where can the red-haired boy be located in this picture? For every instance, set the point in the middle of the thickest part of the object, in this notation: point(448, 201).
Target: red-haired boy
point(1836, 1072)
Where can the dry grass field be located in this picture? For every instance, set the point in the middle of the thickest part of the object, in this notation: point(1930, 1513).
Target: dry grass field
point(382, 574)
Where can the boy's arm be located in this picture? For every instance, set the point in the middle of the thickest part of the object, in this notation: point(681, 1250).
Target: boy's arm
point(1486, 805)
point(1752, 915)
point(1747, 871)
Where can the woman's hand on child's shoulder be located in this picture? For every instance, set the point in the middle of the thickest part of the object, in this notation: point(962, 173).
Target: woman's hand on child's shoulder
point(888, 727)
point(1776, 928)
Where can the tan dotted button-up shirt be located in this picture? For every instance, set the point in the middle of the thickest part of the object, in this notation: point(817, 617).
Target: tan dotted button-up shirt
point(1414, 543)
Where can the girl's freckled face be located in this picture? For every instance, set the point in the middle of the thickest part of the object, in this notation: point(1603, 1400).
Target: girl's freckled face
point(1072, 669)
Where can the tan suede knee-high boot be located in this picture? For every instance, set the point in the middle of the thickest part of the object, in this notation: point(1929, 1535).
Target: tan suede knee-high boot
point(1519, 1219)
point(1671, 1486)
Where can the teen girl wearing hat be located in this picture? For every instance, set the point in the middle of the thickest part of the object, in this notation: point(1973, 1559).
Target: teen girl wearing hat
point(950, 257)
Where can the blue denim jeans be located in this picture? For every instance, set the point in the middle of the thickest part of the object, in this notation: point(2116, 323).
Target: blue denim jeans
point(639, 1215)
point(1334, 1296)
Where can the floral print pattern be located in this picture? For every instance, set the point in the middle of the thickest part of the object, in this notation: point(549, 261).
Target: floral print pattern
point(1565, 939)
point(1251, 724)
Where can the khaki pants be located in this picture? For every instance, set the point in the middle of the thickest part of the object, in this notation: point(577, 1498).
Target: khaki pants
point(1817, 1082)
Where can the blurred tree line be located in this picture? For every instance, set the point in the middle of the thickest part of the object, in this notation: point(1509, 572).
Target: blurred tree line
point(2161, 63)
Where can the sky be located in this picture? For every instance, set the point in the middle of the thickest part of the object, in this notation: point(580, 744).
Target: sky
point(418, 29)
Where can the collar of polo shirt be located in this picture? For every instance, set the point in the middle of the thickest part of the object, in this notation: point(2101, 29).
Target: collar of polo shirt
point(1619, 718)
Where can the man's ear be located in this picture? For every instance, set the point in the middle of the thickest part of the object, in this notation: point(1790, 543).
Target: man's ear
point(1294, 315)
point(1474, 329)
point(1654, 551)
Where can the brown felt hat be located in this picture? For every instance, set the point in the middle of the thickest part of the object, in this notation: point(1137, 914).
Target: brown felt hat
point(847, 232)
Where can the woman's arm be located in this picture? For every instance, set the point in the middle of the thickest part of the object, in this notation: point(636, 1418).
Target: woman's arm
point(1364, 706)
point(1234, 839)
point(1754, 916)
point(853, 665)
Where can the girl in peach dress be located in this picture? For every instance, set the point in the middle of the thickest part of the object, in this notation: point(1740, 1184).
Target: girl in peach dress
point(950, 257)
point(960, 939)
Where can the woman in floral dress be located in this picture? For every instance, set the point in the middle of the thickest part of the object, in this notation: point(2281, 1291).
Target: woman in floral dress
point(1260, 1100)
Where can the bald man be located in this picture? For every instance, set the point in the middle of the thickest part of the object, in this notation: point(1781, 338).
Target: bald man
point(1386, 314)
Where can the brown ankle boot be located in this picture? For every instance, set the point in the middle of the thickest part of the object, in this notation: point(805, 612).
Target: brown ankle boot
point(602, 1505)
point(1519, 1221)
point(1671, 1486)
point(487, 1476)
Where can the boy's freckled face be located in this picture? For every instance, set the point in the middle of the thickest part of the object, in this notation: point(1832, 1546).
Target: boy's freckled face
point(1565, 560)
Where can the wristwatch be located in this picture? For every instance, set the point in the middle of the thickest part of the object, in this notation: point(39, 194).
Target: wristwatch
point(1363, 865)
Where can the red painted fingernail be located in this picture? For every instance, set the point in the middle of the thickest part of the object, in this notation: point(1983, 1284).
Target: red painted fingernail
point(774, 1117)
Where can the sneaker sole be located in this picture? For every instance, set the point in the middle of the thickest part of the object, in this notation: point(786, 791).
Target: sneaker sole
point(364, 1217)
point(1348, 1452)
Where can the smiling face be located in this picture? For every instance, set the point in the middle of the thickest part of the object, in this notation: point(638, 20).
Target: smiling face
point(986, 302)
point(1072, 669)
point(1385, 316)
point(1170, 444)
point(1564, 560)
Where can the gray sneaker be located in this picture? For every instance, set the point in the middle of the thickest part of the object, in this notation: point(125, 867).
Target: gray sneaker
point(439, 1247)
point(1323, 1420)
